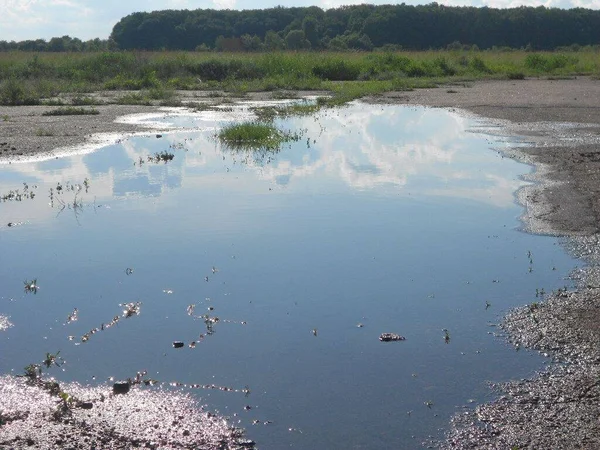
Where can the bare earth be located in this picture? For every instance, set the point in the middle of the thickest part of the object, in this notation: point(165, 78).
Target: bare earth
point(560, 120)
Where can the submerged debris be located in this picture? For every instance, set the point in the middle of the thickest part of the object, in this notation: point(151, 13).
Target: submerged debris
point(388, 337)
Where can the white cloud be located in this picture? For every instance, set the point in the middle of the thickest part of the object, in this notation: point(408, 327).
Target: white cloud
point(224, 4)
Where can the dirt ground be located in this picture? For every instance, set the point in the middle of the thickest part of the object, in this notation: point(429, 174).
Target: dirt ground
point(559, 120)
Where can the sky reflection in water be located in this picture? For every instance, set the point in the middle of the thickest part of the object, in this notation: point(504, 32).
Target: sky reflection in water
point(381, 219)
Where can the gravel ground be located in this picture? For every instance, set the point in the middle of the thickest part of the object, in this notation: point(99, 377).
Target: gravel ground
point(559, 121)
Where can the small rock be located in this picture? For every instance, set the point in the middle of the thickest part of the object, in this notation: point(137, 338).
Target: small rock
point(388, 337)
point(121, 387)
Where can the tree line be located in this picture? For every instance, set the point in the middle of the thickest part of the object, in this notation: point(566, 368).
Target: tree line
point(358, 27)
point(361, 27)
point(58, 44)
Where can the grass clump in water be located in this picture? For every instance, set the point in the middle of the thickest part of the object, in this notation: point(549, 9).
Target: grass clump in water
point(255, 135)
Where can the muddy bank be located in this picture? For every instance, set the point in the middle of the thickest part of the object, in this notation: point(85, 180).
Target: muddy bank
point(557, 123)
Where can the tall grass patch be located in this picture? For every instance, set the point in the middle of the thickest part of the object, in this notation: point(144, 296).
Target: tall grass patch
point(255, 135)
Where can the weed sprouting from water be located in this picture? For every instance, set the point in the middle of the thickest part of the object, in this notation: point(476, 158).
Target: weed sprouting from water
point(31, 286)
point(191, 309)
point(446, 336)
point(53, 359)
point(72, 317)
point(163, 156)
point(19, 195)
point(255, 136)
point(32, 372)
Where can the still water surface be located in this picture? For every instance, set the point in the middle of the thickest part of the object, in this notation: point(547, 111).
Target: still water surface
point(380, 219)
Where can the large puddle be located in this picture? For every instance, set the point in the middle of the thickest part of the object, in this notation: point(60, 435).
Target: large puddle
point(278, 272)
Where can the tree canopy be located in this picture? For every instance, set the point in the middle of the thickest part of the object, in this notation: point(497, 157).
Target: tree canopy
point(361, 27)
point(358, 27)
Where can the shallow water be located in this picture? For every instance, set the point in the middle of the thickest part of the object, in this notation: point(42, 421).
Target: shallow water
point(380, 219)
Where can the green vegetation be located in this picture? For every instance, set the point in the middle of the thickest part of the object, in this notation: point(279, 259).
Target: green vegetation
point(163, 156)
point(355, 27)
point(255, 135)
point(154, 78)
point(71, 111)
point(358, 27)
point(44, 132)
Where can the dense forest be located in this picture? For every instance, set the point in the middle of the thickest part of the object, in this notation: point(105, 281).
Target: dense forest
point(360, 27)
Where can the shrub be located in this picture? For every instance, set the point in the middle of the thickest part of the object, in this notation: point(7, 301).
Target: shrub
point(515, 75)
point(441, 63)
point(548, 63)
point(478, 65)
point(336, 70)
point(14, 92)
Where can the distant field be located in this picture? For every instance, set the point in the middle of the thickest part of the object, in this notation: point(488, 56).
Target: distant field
point(28, 78)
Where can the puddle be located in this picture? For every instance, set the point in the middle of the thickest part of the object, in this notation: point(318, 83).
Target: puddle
point(276, 274)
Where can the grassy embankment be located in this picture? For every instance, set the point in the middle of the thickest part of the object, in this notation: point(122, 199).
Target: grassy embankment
point(27, 78)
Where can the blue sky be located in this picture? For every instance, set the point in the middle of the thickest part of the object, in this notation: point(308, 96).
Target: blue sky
point(88, 19)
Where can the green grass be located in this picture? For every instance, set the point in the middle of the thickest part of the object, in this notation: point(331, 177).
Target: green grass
point(28, 78)
point(71, 111)
point(44, 132)
point(254, 136)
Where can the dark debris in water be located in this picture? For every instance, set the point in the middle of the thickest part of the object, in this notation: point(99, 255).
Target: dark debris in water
point(390, 337)
point(144, 418)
